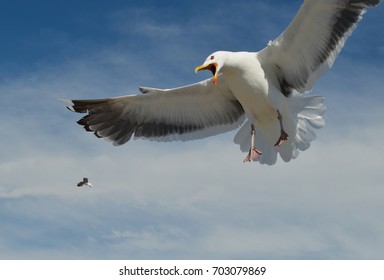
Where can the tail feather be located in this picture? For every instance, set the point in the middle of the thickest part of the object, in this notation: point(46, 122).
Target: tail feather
point(302, 115)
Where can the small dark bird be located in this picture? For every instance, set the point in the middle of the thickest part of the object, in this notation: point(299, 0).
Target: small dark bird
point(84, 183)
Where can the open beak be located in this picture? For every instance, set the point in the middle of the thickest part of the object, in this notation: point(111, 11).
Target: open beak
point(213, 67)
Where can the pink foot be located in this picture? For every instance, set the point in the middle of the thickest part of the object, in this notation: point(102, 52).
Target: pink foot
point(282, 139)
point(253, 154)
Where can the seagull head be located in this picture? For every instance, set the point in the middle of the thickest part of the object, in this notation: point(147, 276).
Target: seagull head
point(213, 63)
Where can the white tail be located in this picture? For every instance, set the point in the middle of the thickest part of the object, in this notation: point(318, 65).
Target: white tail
point(302, 114)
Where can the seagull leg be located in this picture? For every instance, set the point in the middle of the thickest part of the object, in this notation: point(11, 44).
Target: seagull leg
point(283, 135)
point(253, 152)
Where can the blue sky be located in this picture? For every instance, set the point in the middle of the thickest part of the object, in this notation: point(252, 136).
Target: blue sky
point(192, 200)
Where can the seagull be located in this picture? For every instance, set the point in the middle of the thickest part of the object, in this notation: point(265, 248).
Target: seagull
point(84, 183)
point(262, 94)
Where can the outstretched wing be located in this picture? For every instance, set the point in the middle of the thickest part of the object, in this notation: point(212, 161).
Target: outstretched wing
point(194, 111)
point(312, 41)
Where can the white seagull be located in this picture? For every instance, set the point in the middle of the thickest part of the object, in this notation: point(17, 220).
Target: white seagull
point(262, 91)
point(85, 183)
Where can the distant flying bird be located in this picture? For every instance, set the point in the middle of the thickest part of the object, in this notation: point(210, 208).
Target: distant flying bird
point(84, 183)
point(262, 91)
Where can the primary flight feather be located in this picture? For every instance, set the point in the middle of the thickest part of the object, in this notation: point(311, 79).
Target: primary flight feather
point(262, 91)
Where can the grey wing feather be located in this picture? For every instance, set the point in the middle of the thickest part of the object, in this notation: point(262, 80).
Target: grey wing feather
point(194, 111)
point(312, 41)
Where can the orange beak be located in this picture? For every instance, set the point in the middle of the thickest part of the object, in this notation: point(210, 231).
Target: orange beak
point(211, 67)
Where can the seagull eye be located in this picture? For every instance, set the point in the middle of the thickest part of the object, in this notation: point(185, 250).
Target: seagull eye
point(212, 57)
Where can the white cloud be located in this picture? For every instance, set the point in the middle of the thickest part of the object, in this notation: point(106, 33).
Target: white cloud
point(207, 203)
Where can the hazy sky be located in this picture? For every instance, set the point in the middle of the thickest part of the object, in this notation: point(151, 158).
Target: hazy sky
point(192, 200)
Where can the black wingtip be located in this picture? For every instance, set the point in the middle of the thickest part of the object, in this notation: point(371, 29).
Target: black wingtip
point(143, 90)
